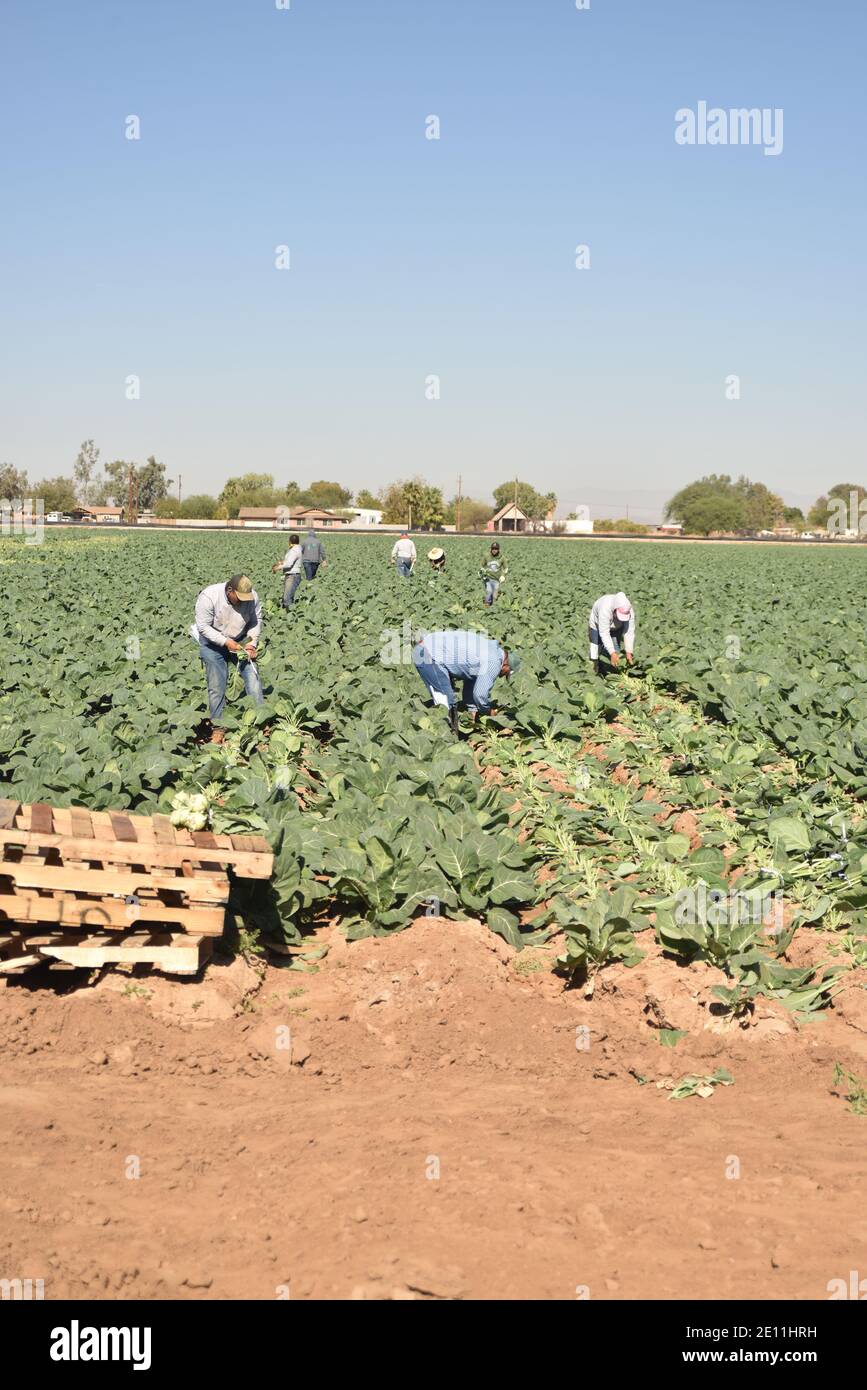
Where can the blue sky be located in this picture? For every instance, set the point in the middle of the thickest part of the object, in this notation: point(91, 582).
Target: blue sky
point(410, 257)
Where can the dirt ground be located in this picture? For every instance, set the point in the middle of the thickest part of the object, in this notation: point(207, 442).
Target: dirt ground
point(420, 1118)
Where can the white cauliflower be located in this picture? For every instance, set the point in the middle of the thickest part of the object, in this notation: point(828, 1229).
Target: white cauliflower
point(191, 810)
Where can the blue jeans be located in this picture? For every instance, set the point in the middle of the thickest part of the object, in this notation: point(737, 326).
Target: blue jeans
point(216, 661)
point(290, 584)
point(438, 679)
point(492, 588)
point(404, 568)
point(310, 568)
point(597, 651)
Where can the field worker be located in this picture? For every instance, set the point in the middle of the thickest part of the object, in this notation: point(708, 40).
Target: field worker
point(312, 553)
point(403, 555)
point(228, 621)
point(493, 571)
point(612, 621)
point(291, 567)
point(437, 558)
point(477, 659)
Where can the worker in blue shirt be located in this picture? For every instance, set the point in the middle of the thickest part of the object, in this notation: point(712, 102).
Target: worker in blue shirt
point(477, 659)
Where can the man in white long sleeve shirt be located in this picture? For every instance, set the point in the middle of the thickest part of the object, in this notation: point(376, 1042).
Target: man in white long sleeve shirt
point(229, 622)
point(291, 567)
point(612, 621)
point(403, 555)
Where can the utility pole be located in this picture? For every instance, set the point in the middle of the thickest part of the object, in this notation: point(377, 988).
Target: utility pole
point(458, 506)
point(130, 510)
point(409, 527)
point(179, 487)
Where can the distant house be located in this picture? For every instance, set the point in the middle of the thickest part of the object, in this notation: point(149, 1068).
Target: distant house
point(367, 516)
point(286, 517)
point(101, 514)
point(318, 516)
point(509, 518)
point(670, 528)
point(260, 516)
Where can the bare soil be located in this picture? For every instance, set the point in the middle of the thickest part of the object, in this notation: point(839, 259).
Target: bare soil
point(420, 1119)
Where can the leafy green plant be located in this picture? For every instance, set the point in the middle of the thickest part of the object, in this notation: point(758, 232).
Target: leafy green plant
point(599, 931)
point(853, 1088)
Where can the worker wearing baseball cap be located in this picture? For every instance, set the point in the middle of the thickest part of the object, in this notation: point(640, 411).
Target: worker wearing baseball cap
point(477, 659)
point(612, 621)
point(228, 623)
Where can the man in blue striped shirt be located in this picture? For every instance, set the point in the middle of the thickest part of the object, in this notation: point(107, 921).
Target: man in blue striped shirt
point(477, 659)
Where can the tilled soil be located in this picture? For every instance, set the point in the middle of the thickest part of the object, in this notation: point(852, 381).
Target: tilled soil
point(424, 1116)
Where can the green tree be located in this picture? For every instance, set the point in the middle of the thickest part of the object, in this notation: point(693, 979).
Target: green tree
point(535, 505)
point(624, 525)
point(198, 507)
point(366, 498)
point(713, 512)
point(762, 509)
point(152, 484)
point(794, 517)
point(413, 502)
point(474, 515)
point(13, 483)
point(84, 471)
point(113, 487)
point(56, 494)
point(826, 509)
point(250, 490)
point(325, 494)
point(167, 507)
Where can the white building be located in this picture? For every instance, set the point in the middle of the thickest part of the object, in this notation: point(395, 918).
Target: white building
point(366, 516)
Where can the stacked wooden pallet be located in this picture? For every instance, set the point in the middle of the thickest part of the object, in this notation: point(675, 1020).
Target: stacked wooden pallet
point(99, 887)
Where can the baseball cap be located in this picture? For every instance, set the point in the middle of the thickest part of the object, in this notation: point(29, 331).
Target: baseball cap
point(242, 587)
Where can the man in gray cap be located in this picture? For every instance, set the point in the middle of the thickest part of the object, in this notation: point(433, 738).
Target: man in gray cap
point(227, 627)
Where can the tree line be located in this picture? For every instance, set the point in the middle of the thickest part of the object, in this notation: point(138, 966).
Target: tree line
point(719, 503)
point(408, 501)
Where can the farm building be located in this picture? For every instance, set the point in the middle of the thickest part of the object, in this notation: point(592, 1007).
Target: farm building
point(367, 516)
point(101, 514)
point(257, 517)
point(509, 518)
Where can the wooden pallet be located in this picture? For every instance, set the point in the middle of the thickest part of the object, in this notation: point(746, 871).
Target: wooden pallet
point(111, 873)
point(176, 953)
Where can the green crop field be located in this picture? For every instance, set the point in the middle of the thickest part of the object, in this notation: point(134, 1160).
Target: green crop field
point(729, 762)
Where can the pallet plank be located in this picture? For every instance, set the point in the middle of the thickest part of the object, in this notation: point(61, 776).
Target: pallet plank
point(185, 957)
point(245, 864)
point(203, 839)
point(106, 915)
point(8, 812)
point(164, 831)
point(122, 826)
point(41, 817)
point(82, 825)
point(210, 887)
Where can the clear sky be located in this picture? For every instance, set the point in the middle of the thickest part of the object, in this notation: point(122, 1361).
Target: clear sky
point(305, 127)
